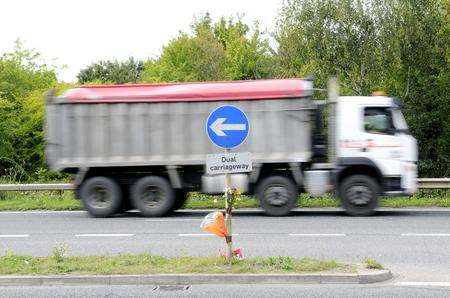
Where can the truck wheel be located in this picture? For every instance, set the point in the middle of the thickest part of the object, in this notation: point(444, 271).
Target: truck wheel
point(277, 195)
point(359, 195)
point(153, 196)
point(101, 196)
point(181, 197)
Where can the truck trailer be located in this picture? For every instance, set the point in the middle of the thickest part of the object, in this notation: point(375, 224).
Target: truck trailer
point(144, 146)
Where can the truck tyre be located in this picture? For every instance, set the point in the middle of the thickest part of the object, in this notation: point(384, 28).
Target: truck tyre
point(359, 195)
point(277, 195)
point(101, 196)
point(153, 196)
point(181, 197)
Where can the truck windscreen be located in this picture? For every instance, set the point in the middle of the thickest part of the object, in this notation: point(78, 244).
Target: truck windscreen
point(399, 121)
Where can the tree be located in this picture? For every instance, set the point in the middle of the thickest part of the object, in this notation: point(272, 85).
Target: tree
point(187, 59)
point(330, 37)
point(225, 50)
point(23, 76)
point(421, 76)
point(398, 46)
point(115, 72)
point(247, 54)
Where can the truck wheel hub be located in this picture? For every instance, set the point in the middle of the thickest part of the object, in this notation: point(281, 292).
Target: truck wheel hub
point(153, 196)
point(359, 195)
point(100, 197)
point(276, 195)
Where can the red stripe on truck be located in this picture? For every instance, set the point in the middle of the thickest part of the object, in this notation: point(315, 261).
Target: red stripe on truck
point(210, 91)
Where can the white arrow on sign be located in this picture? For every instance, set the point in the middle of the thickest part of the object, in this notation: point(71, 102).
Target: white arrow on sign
point(218, 127)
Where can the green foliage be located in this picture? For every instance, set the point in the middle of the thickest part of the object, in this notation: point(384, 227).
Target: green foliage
point(372, 264)
point(114, 72)
point(44, 200)
point(399, 46)
point(12, 264)
point(331, 37)
point(284, 263)
point(23, 79)
point(59, 252)
point(187, 59)
point(225, 50)
point(422, 79)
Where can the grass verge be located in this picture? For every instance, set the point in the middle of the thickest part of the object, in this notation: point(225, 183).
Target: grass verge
point(55, 200)
point(12, 264)
point(372, 264)
point(35, 200)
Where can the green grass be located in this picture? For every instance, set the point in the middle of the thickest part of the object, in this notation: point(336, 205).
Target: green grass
point(59, 263)
point(203, 201)
point(424, 198)
point(55, 200)
point(38, 200)
point(372, 264)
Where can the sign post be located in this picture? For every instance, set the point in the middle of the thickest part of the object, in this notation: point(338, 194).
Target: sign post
point(227, 127)
point(229, 198)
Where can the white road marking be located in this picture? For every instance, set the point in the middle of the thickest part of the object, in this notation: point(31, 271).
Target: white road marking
point(104, 235)
point(425, 235)
point(15, 236)
point(424, 283)
point(199, 235)
point(318, 235)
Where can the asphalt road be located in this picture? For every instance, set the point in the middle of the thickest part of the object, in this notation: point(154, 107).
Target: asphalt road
point(414, 244)
point(221, 291)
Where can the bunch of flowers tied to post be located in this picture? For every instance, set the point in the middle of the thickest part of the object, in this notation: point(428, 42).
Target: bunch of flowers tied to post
point(214, 223)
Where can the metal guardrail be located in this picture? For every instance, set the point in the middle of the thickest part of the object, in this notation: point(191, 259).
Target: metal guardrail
point(424, 183)
point(434, 183)
point(36, 187)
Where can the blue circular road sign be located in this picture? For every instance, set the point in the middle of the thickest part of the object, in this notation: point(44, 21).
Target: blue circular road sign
point(227, 127)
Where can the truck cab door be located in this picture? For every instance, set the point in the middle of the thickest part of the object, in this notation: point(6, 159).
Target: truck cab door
point(380, 141)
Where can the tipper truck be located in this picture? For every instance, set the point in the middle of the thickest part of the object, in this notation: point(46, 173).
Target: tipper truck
point(144, 146)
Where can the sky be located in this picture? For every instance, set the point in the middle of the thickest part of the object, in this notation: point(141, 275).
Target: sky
point(76, 33)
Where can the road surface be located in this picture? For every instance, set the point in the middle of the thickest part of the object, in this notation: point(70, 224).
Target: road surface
point(413, 243)
point(222, 291)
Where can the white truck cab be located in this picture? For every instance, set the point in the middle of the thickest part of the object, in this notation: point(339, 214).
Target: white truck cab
point(373, 128)
point(371, 153)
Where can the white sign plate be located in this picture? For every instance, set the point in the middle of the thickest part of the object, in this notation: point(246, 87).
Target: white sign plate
point(226, 163)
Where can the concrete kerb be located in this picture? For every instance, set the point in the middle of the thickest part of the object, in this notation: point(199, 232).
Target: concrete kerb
point(366, 277)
